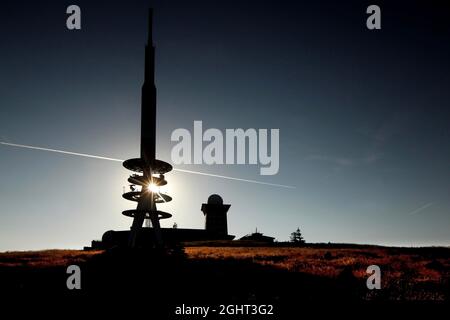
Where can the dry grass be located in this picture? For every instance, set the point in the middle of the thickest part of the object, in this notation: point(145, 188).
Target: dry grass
point(45, 258)
point(407, 274)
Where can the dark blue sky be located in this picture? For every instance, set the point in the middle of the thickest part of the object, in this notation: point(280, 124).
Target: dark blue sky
point(363, 116)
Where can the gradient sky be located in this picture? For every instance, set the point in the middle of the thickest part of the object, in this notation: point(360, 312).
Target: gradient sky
point(363, 116)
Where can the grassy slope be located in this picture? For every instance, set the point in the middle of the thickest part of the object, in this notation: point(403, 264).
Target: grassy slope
point(407, 273)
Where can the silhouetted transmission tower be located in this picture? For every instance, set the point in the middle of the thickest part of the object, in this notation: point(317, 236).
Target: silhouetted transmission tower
point(149, 172)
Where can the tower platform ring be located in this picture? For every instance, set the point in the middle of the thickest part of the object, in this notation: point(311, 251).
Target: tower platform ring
point(143, 181)
point(135, 195)
point(138, 165)
point(161, 214)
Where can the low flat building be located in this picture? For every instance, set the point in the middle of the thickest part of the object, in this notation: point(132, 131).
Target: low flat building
point(257, 237)
point(216, 228)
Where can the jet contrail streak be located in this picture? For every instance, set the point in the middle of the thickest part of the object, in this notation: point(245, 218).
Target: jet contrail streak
point(59, 151)
point(232, 178)
point(120, 160)
point(425, 206)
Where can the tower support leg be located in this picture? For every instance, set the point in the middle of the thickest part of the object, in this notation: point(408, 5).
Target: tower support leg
point(135, 228)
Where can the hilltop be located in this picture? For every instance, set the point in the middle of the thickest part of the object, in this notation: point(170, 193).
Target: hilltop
point(217, 274)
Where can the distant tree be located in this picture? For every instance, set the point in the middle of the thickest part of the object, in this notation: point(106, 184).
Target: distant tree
point(296, 237)
point(175, 226)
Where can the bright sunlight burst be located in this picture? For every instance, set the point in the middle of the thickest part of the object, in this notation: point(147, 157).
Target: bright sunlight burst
point(153, 187)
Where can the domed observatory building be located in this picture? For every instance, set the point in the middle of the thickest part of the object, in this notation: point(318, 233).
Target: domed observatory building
point(216, 215)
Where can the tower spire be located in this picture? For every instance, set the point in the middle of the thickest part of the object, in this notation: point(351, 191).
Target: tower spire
point(148, 108)
point(150, 27)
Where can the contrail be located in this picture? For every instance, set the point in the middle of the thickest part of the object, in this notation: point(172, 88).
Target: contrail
point(427, 205)
point(120, 160)
point(237, 179)
point(59, 151)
